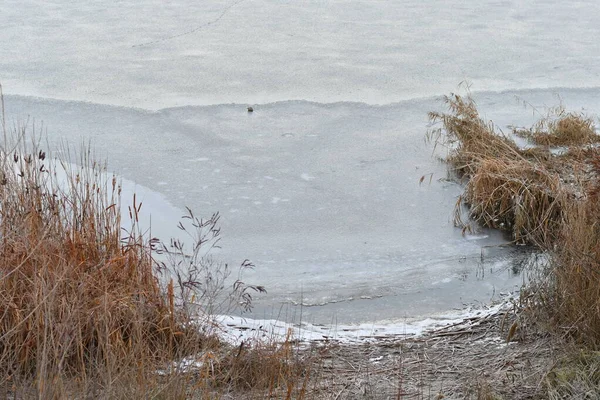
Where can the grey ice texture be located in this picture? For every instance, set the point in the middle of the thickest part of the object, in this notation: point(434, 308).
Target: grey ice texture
point(154, 54)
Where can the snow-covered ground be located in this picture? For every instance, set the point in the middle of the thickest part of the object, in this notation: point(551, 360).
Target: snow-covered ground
point(234, 330)
point(323, 197)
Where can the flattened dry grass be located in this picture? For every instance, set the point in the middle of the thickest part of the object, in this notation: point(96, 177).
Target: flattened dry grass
point(576, 376)
point(540, 198)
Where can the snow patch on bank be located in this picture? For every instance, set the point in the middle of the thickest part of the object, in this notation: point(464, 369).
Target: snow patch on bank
point(235, 330)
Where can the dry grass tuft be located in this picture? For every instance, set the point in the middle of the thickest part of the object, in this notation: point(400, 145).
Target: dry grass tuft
point(515, 195)
point(540, 198)
point(89, 310)
point(506, 188)
point(274, 367)
point(562, 128)
point(469, 138)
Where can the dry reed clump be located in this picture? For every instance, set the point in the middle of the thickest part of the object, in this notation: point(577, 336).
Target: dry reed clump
point(503, 192)
point(543, 199)
point(506, 188)
point(562, 128)
point(574, 295)
point(90, 310)
point(469, 138)
point(76, 298)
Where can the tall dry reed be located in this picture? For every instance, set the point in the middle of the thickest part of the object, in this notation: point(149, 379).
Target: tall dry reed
point(90, 310)
point(506, 188)
point(541, 198)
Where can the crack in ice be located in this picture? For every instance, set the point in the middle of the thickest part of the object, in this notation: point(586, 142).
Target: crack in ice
point(196, 29)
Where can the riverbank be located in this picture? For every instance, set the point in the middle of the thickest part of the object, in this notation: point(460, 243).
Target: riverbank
point(490, 353)
point(477, 358)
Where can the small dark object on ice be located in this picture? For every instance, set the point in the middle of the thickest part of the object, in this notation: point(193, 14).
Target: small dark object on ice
point(250, 109)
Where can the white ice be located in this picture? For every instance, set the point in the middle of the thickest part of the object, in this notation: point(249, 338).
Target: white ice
point(155, 54)
point(363, 235)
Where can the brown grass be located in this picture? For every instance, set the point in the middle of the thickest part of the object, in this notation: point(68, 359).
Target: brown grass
point(561, 128)
point(76, 299)
point(543, 199)
point(503, 193)
point(469, 138)
point(575, 293)
point(87, 310)
point(506, 188)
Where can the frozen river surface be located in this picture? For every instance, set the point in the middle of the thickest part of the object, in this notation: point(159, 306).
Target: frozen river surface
point(319, 186)
point(155, 54)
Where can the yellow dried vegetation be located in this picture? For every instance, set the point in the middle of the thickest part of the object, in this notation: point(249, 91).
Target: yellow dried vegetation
point(76, 298)
point(540, 198)
point(87, 310)
point(506, 188)
point(561, 128)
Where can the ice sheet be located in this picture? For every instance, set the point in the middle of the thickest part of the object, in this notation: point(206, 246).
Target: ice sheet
point(155, 54)
point(326, 200)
